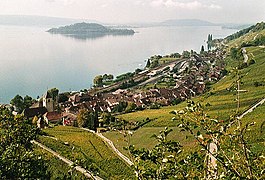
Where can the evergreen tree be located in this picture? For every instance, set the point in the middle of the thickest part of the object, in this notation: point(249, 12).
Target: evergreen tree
point(148, 63)
point(202, 49)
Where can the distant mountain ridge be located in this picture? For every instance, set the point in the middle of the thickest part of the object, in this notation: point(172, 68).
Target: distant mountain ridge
point(186, 22)
point(46, 21)
point(30, 20)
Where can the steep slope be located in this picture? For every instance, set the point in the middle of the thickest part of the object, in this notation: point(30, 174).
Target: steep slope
point(87, 150)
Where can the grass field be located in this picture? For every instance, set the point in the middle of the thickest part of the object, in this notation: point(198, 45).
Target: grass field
point(142, 138)
point(87, 150)
point(221, 104)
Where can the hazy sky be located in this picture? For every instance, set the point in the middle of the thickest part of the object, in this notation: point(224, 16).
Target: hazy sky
point(129, 11)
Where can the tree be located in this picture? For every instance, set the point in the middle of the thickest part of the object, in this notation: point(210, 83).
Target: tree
point(175, 55)
point(17, 158)
point(27, 101)
point(107, 118)
point(18, 103)
point(202, 49)
point(130, 107)
point(154, 63)
point(98, 81)
point(137, 71)
point(21, 103)
point(120, 107)
point(54, 93)
point(236, 53)
point(110, 77)
point(87, 119)
point(186, 54)
point(210, 42)
point(148, 63)
point(35, 120)
point(82, 118)
point(92, 122)
point(63, 97)
point(209, 38)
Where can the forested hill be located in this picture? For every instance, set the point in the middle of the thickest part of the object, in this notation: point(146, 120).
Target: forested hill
point(88, 28)
point(255, 28)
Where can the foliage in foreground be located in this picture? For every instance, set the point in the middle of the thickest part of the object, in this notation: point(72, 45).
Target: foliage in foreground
point(232, 157)
point(17, 159)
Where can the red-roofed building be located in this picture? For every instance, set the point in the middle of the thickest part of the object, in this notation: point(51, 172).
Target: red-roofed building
point(52, 117)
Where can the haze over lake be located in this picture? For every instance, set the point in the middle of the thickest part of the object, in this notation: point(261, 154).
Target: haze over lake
point(32, 60)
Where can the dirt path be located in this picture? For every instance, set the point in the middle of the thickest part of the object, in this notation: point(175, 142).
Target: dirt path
point(110, 143)
point(251, 109)
point(67, 161)
point(244, 51)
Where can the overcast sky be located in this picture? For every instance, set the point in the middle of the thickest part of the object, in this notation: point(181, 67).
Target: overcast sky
point(130, 11)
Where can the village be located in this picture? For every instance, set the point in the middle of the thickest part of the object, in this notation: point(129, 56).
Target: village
point(188, 77)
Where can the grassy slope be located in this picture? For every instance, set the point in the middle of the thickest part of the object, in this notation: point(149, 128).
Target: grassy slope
point(57, 168)
point(89, 150)
point(222, 103)
point(246, 38)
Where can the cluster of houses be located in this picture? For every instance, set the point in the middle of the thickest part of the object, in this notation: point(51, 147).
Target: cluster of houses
point(189, 81)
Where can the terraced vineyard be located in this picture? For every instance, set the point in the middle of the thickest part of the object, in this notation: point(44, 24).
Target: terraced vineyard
point(57, 168)
point(87, 150)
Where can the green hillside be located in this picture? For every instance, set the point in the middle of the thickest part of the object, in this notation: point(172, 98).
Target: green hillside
point(246, 35)
point(87, 150)
point(57, 168)
point(220, 101)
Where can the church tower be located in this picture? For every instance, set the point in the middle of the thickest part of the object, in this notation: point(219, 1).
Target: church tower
point(49, 102)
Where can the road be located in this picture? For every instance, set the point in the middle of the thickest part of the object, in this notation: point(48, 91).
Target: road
point(244, 51)
point(110, 143)
point(67, 161)
point(251, 109)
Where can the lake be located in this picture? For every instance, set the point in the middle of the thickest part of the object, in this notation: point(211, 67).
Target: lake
point(32, 60)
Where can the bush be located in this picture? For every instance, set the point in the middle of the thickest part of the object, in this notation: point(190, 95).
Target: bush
point(242, 66)
point(257, 84)
point(252, 61)
point(154, 106)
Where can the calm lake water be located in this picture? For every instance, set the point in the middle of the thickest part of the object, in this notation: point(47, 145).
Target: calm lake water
point(32, 60)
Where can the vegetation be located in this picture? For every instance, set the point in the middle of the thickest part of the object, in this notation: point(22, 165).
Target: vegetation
point(21, 103)
point(17, 158)
point(225, 152)
point(254, 28)
point(87, 119)
point(87, 150)
point(63, 97)
point(57, 168)
point(210, 43)
point(88, 28)
point(98, 81)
